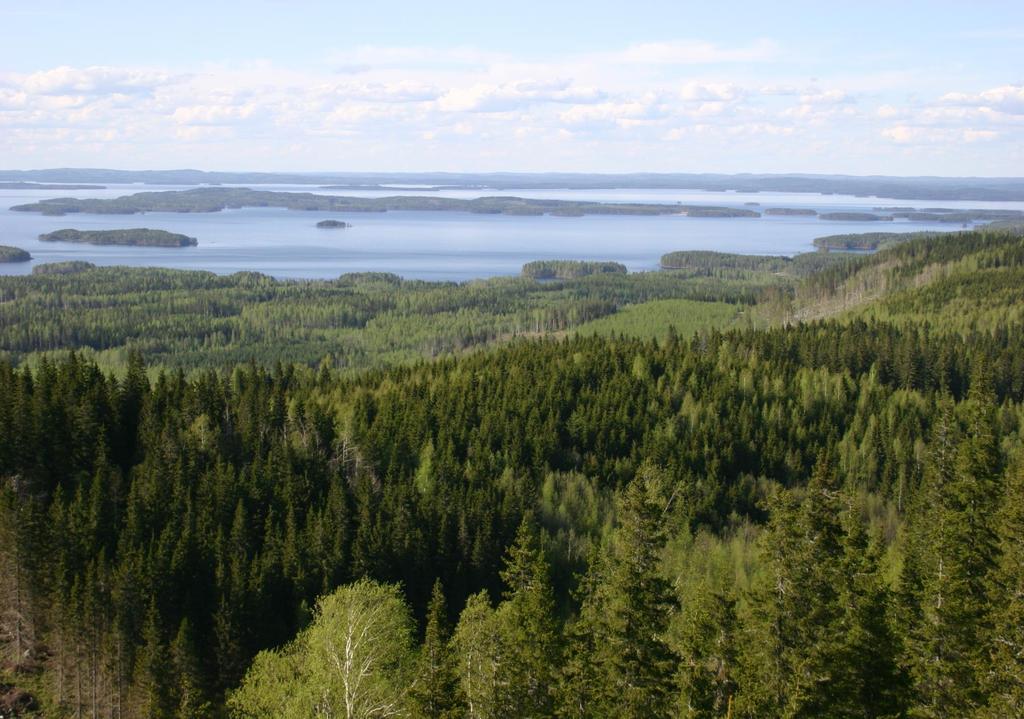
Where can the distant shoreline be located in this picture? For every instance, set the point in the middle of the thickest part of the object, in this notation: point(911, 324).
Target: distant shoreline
point(1009, 189)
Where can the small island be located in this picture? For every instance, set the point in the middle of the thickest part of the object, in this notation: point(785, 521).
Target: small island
point(790, 211)
point(332, 225)
point(70, 267)
point(13, 254)
point(138, 237)
point(569, 269)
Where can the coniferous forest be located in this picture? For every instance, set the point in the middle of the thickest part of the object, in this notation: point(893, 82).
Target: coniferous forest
point(235, 497)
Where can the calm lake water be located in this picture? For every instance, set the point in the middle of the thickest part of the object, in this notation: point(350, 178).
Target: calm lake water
point(444, 245)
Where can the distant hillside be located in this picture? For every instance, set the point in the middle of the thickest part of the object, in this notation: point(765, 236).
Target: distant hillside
point(965, 280)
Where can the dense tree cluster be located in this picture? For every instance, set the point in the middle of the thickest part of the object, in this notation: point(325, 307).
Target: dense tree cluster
point(197, 319)
point(819, 519)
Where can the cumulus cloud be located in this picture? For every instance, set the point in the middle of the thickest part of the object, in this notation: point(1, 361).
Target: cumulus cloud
point(911, 135)
point(1006, 98)
point(95, 80)
point(482, 97)
point(462, 104)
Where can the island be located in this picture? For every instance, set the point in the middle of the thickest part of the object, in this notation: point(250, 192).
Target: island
point(70, 267)
point(569, 269)
point(854, 217)
point(332, 225)
point(939, 214)
point(13, 254)
point(215, 199)
point(138, 237)
point(790, 211)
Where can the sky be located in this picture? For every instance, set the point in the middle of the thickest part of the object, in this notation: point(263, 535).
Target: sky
point(891, 88)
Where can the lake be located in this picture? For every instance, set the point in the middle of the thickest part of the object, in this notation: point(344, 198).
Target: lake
point(445, 245)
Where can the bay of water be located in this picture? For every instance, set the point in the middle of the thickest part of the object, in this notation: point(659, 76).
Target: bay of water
point(444, 245)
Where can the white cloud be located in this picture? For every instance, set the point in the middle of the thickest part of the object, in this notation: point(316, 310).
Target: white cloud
point(415, 107)
point(93, 81)
point(695, 52)
point(911, 135)
point(1006, 98)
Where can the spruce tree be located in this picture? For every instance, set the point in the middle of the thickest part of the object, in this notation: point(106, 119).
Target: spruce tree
point(956, 552)
point(434, 694)
point(154, 672)
point(1004, 679)
point(791, 660)
point(528, 627)
point(625, 617)
point(708, 655)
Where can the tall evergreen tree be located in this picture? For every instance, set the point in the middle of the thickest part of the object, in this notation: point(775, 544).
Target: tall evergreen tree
point(434, 694)
point(528, 627)
point(870, 681)
point(154, 672)
point(708, 655)
point(791, 661)
point(956, 553)
point(626, 616)
point(1004, 679)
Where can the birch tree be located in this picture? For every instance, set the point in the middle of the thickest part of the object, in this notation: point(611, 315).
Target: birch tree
point(354, 661)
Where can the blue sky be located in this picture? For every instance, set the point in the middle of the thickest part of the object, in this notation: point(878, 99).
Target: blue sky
point(863, 88)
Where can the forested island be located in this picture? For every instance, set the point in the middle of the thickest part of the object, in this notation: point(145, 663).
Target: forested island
point(790, 211)
point(215, 199)
point(333, 225)
point(938, 214)
point(812, 505)
point(846, 217)
point(13, 254)
point(569, 269)
point(138, 237)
